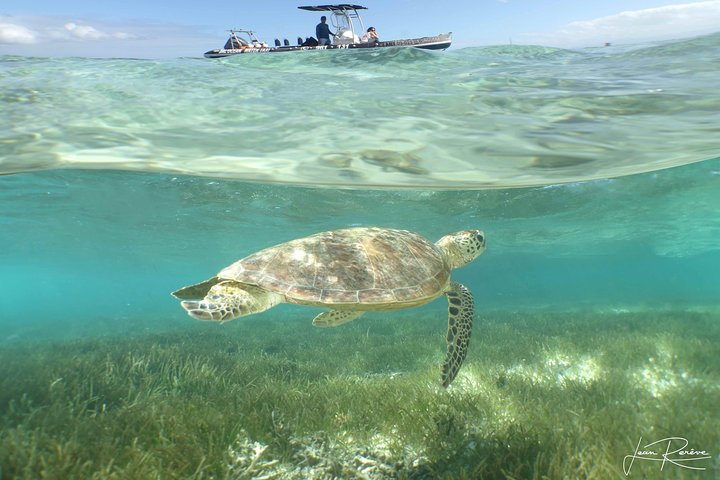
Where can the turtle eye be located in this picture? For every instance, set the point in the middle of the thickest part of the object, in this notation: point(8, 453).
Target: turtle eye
point(480, 238)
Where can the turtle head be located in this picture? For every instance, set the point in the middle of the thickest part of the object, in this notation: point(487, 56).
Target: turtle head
point(462, 247)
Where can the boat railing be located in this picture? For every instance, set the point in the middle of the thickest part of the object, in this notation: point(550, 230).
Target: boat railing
point(238, 42)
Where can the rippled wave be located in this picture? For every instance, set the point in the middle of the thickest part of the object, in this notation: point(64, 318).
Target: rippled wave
point(491, 117)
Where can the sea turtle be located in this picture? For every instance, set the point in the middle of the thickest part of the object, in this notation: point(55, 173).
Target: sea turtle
point(350, 271)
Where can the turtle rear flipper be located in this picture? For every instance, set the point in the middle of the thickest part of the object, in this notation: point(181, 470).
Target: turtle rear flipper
point(333, 318)
point(229, 300)
point(209, 311)
point(197, 291)
point(461, 309)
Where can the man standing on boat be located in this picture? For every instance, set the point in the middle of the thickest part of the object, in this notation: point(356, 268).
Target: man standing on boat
point(322, 32)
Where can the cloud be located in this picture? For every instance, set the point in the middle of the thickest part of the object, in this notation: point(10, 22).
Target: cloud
point(42, 35)
point(660, 23)
point(39, 30)
point(87, 32)
point(15, 34)
point(84, 32)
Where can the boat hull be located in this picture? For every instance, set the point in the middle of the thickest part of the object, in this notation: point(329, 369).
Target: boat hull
point(438, 42)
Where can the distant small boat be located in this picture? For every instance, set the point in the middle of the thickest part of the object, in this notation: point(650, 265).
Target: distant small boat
point(347, 23)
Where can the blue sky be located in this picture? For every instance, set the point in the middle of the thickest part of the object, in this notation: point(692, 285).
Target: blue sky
point(163, 28)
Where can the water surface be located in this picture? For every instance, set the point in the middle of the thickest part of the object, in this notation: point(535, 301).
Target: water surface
point(470, 118)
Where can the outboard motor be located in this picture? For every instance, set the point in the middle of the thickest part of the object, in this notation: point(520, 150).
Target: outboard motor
point(300, 41)
point(277, 42)
point(286, 42)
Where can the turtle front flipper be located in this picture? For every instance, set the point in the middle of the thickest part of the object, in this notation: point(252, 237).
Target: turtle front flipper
point(333, 318)
point(461, 310)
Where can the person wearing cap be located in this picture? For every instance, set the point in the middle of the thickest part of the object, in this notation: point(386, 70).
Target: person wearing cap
point(322, 32)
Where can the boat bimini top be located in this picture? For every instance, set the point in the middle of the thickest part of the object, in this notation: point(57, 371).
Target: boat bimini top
point(332, 8)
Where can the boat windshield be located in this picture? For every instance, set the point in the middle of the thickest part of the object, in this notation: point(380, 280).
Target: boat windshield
point(342, 18)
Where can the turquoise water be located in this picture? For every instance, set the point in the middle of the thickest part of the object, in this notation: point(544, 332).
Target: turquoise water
point(80, 247)
point(595, 175)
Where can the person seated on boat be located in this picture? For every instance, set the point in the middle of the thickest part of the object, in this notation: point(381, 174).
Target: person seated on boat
point(309, 42)
point(322, 32)
point(370, 36)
